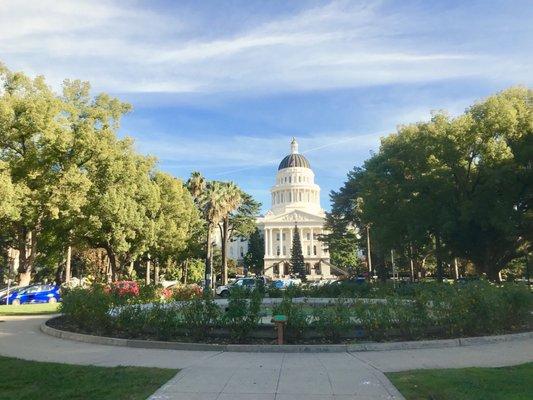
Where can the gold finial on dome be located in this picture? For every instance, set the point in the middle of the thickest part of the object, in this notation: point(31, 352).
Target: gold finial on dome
point(294, 146)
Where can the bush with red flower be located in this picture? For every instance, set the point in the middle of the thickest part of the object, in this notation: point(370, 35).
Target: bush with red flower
point(182, 292)
point(125, 289)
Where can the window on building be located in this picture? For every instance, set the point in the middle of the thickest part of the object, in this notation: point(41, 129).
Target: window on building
point(284, 252)
point(308, 236)
point(277, 250)
point(317, 268)
point(242, 252)
point(308, 250)
point(286, 269)
point(277, 236)
point(314, 250)
point(275, 269)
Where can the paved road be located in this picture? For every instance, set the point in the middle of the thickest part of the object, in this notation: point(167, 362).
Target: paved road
point(214, 375)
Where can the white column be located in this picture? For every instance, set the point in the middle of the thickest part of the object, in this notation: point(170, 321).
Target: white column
point(312, 242)
point(266, 241)
point(291, 232)
point(319, 248)
point(302, 237)
point(270, 241)
point(280, 242)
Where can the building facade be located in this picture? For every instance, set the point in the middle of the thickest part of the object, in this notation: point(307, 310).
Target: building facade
point(295, 199)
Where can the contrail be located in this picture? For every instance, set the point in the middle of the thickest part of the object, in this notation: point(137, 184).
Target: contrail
point(303, 152)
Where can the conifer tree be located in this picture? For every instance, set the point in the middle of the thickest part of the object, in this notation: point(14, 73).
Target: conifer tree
point(297, 257)
point(254, 258)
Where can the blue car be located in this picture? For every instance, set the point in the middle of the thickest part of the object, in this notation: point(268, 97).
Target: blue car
point(33, 294)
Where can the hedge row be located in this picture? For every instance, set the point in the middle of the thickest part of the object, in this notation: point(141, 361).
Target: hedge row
point(432, 311)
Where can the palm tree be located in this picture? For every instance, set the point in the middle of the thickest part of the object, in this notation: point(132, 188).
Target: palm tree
point(232, 199)
point(213, 205)
point(196, 185)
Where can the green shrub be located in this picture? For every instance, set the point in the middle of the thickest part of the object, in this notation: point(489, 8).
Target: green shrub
point(87, 309)
point(377, 319)
point(200, 316)
point(243, 312)
point(333, 321)
point(517, 305)
point(298, 319)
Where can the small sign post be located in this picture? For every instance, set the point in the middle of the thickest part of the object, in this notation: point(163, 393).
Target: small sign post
point(279, 320)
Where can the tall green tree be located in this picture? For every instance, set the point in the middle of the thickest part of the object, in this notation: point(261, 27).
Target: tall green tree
point(239, 222)
point(231, 199)
point(176, 220)
point(297, 257)
point(254, 257)
point(450, 187)
point(46, 140)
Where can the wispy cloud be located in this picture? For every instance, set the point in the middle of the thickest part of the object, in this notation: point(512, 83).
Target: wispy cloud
point(126, 47)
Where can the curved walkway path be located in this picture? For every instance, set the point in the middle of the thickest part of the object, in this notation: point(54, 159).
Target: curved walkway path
point(213, 375)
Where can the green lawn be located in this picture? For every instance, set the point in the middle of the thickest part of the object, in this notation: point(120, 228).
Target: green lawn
point(509, 383)
point(29, 380)
point(27, 309)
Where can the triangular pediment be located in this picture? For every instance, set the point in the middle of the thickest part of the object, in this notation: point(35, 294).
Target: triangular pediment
point(296, 216)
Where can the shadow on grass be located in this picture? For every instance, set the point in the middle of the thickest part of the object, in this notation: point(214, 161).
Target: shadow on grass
point(25, 380)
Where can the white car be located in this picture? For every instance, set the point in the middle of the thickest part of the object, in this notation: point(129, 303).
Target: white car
point(250, 283)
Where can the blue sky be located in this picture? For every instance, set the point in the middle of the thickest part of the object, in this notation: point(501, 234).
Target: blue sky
point(222, 86)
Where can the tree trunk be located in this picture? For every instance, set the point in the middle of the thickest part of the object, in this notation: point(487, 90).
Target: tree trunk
point(112, 264)
point(148, 270)
point(493, 274)
point(208, 262)
point(368, 254)
point(130, 269)
point(27, 254)
point(438, 256)
point(67, 264)
point(456, 268)
point(185, 272)
point(156, 272)
point(225, 231)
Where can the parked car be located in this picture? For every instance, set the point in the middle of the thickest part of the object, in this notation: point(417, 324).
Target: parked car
point(285, 283)
point(4, 292)
point(323, 282)
point(44, 293)
point(248, 283)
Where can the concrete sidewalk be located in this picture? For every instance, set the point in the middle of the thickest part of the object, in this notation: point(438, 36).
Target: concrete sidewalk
point(217, 375)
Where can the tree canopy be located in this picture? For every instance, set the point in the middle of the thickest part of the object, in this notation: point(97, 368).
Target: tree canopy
point(456, 187)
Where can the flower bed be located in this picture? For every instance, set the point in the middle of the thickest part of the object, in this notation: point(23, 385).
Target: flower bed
point(436, 311)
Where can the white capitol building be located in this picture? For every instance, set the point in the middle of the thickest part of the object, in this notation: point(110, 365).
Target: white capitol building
point(295, 205)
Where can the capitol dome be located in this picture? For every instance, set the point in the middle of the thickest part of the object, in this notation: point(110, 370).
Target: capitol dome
point(294, 159)
point(295, 186)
